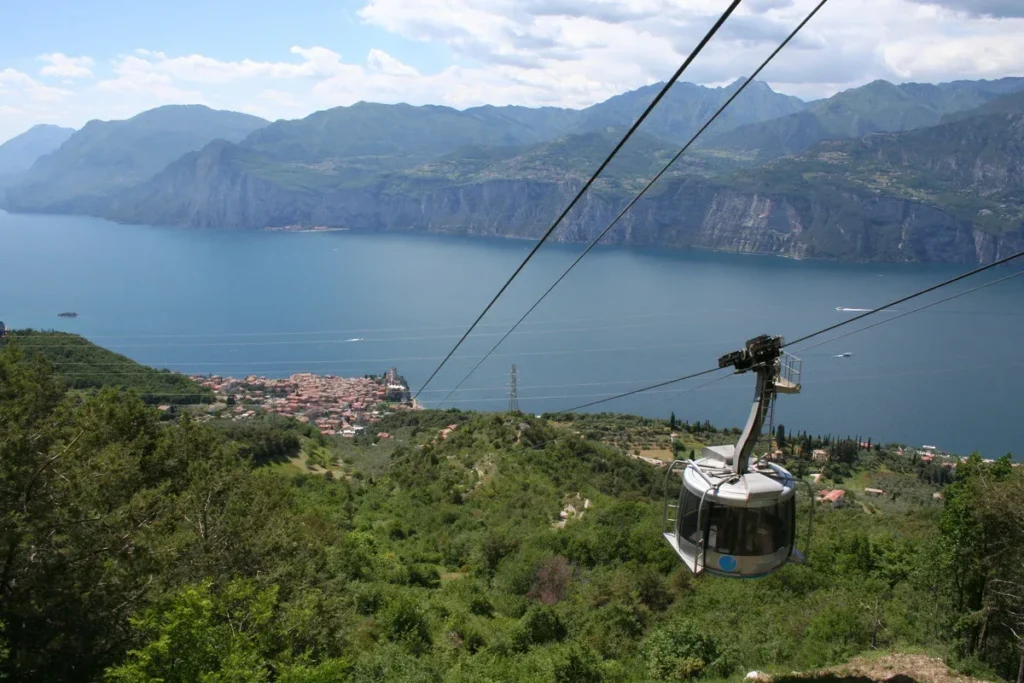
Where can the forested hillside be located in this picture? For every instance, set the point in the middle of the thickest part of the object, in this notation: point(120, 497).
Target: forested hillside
point(506, 549)
point(83, 365)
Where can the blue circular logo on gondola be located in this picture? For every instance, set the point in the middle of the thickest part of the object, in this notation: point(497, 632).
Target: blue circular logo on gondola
point(727, 563)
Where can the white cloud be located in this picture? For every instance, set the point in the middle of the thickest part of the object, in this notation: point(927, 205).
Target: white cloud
point(381, 62)
point(315, 62)
point(993, 54)
point(20, 85)
point(546, 52)
point(981, 8)
point(59, 64)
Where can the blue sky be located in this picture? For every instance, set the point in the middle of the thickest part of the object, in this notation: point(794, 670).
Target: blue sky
point(69, 61)
point(226, 29)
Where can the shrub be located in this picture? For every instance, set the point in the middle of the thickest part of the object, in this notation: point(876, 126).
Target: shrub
point(538, 626)
point(404, 622)
point(551, 582)
point(578, 666)
point(679, 651)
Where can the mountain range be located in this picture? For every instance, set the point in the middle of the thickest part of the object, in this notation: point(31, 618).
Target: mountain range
point(892, 172)
point(18, 154)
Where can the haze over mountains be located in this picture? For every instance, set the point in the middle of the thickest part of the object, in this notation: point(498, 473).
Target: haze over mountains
point(18, 154)
point(893, 172)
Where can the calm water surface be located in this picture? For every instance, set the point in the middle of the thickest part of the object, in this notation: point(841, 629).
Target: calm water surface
point(274, 304)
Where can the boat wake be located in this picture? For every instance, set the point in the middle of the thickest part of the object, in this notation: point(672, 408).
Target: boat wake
point(864, 310)
point(354, 339)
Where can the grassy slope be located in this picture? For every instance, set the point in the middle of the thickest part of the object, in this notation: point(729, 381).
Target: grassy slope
point(85, 365)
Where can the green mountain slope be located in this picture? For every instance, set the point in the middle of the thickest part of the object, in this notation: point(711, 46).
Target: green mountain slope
point(20, 152)
point(972, 168)
point(946, 193)
point(107, 155)
point(84, 365)
point(517, 549)
point(1007, 104)
point(234, 186)
point(499, 171)
point(571, 157)
point(687, 106)
point(878, 107)
point(345, 146)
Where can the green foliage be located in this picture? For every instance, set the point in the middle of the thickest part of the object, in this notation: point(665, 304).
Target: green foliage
point(201, 637)
point(578, 666)
point(404, 622)
point(141, 550)
point(87, 366)
point(679, 651)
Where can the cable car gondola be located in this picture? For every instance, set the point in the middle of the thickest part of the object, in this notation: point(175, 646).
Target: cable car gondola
point(735, 516)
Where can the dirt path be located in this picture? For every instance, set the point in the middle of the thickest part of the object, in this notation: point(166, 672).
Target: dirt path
point(890, 668)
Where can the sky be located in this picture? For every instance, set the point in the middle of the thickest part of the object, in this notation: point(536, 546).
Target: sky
point(67, 62)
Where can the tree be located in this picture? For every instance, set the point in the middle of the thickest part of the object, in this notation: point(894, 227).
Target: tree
point(780, 436)
point(982, 527)
point(200, 636)
point(672, 421)
point(680, 650)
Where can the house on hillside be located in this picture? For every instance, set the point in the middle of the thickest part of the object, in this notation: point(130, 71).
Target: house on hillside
point(877, 492)
point(819, 455)
point(837, 497)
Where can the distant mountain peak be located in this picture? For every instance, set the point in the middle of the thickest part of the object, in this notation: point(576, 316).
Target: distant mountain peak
point(20, 152)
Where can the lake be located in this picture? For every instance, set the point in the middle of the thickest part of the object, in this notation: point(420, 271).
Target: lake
point(238, 303)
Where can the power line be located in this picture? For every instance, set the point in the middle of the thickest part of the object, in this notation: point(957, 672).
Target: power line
point(907, 298)
point(676, 394)
point(826, 329)
point(647, 187)
point(913, 310)
point(648, 388)
point(636, 124)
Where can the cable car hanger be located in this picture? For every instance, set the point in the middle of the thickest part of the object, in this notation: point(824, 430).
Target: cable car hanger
point(735, 514)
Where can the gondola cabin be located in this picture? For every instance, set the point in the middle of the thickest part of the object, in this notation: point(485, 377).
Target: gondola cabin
point(734, 515)
point(729, 525)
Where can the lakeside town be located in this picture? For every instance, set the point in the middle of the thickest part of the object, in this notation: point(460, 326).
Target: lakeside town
point(342, 406)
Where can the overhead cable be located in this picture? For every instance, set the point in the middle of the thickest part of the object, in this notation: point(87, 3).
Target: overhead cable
point(632, 129)
point(648, 388)
point(913, 310)
point(833, 327)
point(650, 183)
point(950, 281)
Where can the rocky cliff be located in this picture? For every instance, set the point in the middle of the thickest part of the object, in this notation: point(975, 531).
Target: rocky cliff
point(685, 212)
point(952, 192)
